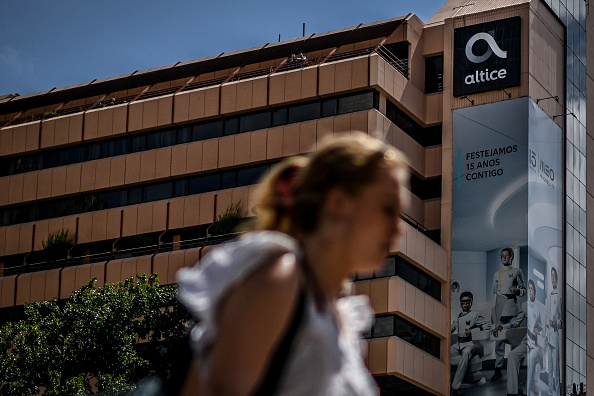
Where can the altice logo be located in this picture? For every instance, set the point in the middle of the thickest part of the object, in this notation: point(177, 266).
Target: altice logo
point(484, 75)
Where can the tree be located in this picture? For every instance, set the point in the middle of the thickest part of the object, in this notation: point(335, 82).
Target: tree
point(229, 221)
point(102, 339)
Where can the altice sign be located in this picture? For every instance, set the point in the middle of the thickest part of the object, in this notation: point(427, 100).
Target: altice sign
point(487, 56)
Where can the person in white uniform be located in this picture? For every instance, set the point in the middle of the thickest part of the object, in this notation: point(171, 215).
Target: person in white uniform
point(553, 330)
point(528, 347)
point(507, 282)
point(464, 325)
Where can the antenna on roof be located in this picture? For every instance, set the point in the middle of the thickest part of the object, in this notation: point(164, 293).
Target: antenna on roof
point(279, 37)
point(303, 29)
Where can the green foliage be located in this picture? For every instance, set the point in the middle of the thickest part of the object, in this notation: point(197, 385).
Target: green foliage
point(49, 114)
point(57, 245)
point(229, 221)
point(92, 339)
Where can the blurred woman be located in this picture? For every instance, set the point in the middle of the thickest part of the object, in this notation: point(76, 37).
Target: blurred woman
point(269, 319)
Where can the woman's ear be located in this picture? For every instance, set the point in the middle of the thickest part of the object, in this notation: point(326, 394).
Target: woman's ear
point(338, 204)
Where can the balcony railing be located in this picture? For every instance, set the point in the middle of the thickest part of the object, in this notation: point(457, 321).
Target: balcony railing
point(399, 64)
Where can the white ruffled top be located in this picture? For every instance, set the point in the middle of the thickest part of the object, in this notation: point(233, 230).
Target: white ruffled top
point(325, 357)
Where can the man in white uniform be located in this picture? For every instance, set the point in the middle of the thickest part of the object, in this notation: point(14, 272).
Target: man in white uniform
point(465, 325)
point(553, 329)
point(529, 346)
point(508, 282)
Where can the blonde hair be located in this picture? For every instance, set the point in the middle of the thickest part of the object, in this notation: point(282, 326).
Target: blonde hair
point(348, 161)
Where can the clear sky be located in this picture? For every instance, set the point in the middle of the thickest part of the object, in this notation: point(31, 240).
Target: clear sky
point(46, 44)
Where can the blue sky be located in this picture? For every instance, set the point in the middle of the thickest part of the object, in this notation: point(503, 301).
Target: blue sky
point(46, 44)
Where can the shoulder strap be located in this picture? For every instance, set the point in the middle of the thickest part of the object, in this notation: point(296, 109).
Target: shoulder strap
point(275, 368)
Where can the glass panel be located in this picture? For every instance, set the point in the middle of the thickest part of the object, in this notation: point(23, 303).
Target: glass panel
point(253, 122)
point(228, 179)
point(50, 159)
point(113, 199)
point(353, 103)
point(138, 143)
point(304, 112)
point(384, 326)
point(180, 188)
point(134, 195)
point(329, 107)
point(279, 116)
point(208, 130)
point(119, 147)
point(206, 183)
point(252, 175)
point(160, 139)
point(184, 134)
point(231, 126)
point(93, 151)
point(157, 192)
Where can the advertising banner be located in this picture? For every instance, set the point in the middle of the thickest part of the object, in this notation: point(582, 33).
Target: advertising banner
point(506, 250)
point(487, 56)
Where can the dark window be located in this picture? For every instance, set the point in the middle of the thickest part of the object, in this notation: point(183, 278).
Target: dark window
point(184, 135)
point(160, 139)
point(71, 156)
point(113, 199)
point(228, 179)
point(253, 122)
point(180, 188)
point(205, 183)
point(430, 136)
point(353, 103)
point(156, 192)
point(138, 144)
point(434, 74)
point(90, 203)
point(134, 195)
point(279, 116)
point(29, 163)
point(394, 325)
point(427, 188)
point(304, 112)
point(94, 151)
point(251, 175)
point(50, 159)
point(399, 266)
point(117, 147)
point(231, 126)
point(208, 130)
point(329, 107)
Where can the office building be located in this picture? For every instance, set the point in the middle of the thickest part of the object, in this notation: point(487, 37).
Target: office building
point(487, 99)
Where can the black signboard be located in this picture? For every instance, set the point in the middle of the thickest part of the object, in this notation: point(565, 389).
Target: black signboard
point(487, 56)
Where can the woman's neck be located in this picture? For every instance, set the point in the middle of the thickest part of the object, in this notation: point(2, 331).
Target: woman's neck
point(326, 264)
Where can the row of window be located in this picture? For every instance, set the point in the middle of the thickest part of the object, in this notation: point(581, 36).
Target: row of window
point(394, 325)
point(426, 137)
point(212, 181)
point(398, 266)
point(192, 132)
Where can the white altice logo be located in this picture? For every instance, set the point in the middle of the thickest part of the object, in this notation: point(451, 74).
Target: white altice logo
point(493, 48)
point(480, 76)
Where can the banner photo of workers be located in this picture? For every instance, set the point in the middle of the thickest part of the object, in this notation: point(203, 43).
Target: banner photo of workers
point(506, 292)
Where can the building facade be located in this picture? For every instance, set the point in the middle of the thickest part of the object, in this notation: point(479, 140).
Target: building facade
point(138, 168)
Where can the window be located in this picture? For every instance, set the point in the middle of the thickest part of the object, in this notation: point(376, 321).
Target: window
point(304, 112)
point(253, 122)
point(434, 74)
point(138, 144)
point(205, 183)
point(157, 140)
point(228, 179)
point(251, 175)
point(231, 126)
point(398, 266)
point(156, 192)
point(430, 136)
point(115, 147)
point(329, 107)
point(279, 116)
point(208, 130)
point(353, 103)
point(394, 325)
point(184, 135)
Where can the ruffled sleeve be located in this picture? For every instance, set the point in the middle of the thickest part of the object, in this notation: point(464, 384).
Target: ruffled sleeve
point(202, 286)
